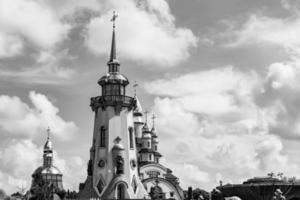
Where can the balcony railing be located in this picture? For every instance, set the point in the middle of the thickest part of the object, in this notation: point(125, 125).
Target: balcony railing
point(112, 100)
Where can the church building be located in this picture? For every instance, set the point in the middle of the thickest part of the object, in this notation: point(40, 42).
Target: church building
point(47, 180)
point(124, 157)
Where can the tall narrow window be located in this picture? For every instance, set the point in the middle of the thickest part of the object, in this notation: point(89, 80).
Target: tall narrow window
point(131, 137)
point(148, 144)
point(121, 191)
point(102, 137)
point(155, 147)
point(150, 157)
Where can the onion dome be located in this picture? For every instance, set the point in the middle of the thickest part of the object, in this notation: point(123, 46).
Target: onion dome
point(138, 108)
point(147, 135)
point(118, 146)
point(48, 145)
point(137, 113)
point(154, 139)
point(113, 78)
point(51, 170)
point(157, 154)
point(145, 127)
point(153, 130)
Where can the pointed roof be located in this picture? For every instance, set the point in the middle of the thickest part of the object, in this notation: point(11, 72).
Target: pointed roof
point(48, 144)
point(138, 105)
point(113, 51)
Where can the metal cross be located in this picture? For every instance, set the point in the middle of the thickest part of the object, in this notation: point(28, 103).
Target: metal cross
point(153, 118)
point(146, 115)
point(135, 86)
point(113, 19)
point(48, 132)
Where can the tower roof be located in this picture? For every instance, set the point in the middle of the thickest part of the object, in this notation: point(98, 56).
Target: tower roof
point(48, 145)
point(138, 108)
point(113, 76)
point(113, 51)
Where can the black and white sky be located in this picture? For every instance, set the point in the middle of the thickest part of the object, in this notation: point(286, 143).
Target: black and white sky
point(222, 76)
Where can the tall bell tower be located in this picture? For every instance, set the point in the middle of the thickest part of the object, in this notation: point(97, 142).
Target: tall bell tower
point(112, 168)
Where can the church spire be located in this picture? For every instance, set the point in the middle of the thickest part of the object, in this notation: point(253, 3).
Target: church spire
point(48, 151)
point(113, 63)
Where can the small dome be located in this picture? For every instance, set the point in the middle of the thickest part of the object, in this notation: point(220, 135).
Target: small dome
point(113, 78)
point(47, 170)
point(153, 130)
point(147, 136)
point(51, 170)
point(138, 108)
point(48, 145)
point(145, 128)
point(118, 146)
point(38, 170)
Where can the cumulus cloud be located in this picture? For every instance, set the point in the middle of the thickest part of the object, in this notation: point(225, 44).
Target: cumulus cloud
point(47, 70)
point(19, 154)
point(225, 88)
point(233, 142)
point(10, 45)
point(16, 173)
point(19, 118)
point(146, 32)
point(281, 95)
point(20, 18)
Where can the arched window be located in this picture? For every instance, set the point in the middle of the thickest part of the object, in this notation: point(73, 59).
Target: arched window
point(131, 137)
point(148, 144)
point(102, 137)
point(150, 157)
point(121, 191)
point(155, 147)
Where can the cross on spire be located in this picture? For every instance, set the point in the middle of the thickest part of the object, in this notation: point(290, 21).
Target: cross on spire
point(48, 133)
point(135, 86)
point(113, 19)
point(153, 119)
point(146, 116)
point(113, 63)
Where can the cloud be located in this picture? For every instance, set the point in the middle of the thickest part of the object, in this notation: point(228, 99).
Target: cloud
point(225, 88)
point(20, 119)
point(20, 125)
point(281, 95)
point(47, 70)
point(10, 45)
point(16, 173)
point(261, 30)
point(19, 18)
point(146, 33)
point(233, 142)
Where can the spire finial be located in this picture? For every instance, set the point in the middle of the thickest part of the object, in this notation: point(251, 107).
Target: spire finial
point(113, 63)
point(48, 133)
point(135, 86)
point(153, 119)
point(146, 116)
point(113, 19)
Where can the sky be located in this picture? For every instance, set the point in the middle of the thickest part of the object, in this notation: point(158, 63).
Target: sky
point(222, 77)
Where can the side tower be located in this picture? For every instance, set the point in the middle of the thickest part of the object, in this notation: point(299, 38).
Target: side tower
point(47, 179)
point(112, 168)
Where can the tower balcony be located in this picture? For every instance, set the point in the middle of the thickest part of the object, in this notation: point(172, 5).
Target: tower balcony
point(117, 101)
